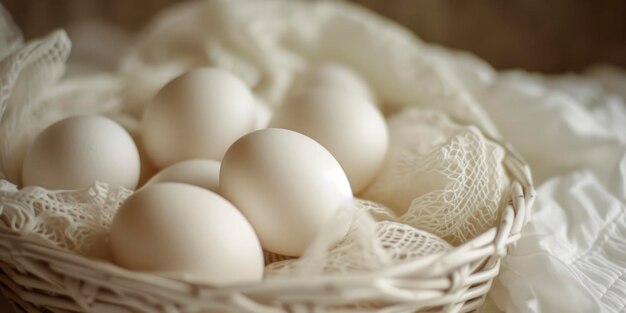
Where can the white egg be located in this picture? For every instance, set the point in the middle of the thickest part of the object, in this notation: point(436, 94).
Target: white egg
point(352, 129)
point(186, 232)
point(287, 185)
point(78, 151)
point(198, 115)
point(201, 173)
point(333, 76)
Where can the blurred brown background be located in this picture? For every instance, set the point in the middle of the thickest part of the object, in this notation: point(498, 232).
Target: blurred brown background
point(546, 36)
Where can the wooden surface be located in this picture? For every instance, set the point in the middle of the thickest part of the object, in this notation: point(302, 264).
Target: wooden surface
point(548, 36)
point(4, 305)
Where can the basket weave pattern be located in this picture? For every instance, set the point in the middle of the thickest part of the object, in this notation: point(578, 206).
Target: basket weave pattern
point(37, 277)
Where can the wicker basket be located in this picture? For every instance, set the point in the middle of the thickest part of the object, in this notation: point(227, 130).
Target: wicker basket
point(37, 278)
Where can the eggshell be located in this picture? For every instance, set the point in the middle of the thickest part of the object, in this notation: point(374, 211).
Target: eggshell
point(336, 77)
point(352, 129)
point(201, 173)
point(287, 185)
point(186, 232)
point(198, 115)
point(78, 151)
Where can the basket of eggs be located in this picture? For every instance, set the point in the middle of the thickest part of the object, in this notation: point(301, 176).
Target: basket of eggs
point(247, 157)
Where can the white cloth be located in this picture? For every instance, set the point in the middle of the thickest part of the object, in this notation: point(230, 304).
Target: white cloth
point(572, 130)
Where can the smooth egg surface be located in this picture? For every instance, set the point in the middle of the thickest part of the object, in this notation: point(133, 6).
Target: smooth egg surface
point(198, 115)
point(186, 232)
point(352, 129)
point(201, 173)
point(77, 151)
point(287, 185)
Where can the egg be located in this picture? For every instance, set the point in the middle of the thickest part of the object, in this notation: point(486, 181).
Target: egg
point(352, 129)
point(333, 76)
point(77, 151)
point(186, 232)
point(201, 173)
point(287, 185)
point(198, 115)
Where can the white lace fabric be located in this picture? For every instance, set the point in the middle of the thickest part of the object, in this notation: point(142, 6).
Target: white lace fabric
point(373, 242)
point(75, 220)
point(441, 177)
point(25, 73)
